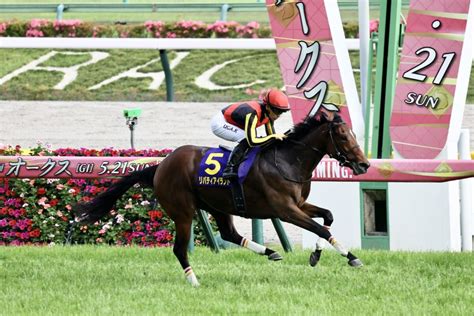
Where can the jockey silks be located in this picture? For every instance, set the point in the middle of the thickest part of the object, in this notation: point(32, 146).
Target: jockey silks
point(237, 112)
point(248, 116)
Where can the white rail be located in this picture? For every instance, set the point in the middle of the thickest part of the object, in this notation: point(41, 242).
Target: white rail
point(145, 43)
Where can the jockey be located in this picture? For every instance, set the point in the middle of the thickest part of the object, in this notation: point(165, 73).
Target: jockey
point(238, 122)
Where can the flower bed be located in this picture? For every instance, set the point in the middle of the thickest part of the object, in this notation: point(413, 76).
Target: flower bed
point(149, 29)
point(156, 29)
point(38, 211)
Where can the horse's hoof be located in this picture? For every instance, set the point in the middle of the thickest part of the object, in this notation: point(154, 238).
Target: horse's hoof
point(314, 257)
point(356, 263)
point(194, 282)
point(275, 257)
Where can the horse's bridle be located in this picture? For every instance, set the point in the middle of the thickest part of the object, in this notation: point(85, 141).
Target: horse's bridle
point(340, 155)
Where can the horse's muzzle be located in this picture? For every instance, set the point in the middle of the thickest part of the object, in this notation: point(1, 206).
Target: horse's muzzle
point(360, 167)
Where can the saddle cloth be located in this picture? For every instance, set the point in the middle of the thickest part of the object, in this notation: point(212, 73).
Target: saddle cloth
point(213, 163)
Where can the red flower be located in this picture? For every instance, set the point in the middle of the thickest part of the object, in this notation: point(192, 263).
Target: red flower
point(35, 233)
point(41, 191)
point(53, 202)
point(155, 215)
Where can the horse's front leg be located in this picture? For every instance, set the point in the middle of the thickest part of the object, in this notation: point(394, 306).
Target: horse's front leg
point(296, 216)
point(229, 233)
point(316, 211)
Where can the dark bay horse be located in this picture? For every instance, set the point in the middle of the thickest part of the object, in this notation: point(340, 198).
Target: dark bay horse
point(277, 186)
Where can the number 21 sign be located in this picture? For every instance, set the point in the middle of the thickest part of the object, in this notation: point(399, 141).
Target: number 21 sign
point(432, 77)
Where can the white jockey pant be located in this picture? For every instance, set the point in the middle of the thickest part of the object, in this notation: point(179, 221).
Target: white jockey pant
point(225, 130)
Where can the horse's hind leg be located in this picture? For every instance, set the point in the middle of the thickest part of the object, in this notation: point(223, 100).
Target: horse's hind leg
point(181, 212)
point(230, 234)
point(180, 248)
point(316, 211)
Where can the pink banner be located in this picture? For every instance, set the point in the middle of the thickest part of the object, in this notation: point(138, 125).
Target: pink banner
point(307, 56)
point(381, 170)
point(427, 77)
point(403, 170)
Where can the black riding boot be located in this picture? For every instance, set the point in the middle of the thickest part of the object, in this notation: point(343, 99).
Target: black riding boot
point(236, 157)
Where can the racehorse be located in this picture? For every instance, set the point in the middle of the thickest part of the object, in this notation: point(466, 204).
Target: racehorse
point(276, 186)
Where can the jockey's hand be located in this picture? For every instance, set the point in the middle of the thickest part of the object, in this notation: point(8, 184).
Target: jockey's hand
point(279, 136)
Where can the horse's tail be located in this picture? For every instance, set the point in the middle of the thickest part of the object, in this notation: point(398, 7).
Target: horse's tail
point(100, 206)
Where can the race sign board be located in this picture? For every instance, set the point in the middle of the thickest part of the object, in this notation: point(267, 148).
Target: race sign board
point(72, 167)
point(381, 170)
point(314, 60)
point(432, 78)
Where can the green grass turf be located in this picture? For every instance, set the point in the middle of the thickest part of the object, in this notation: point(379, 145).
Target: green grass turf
point(88, 280)
point(130, 17)
point(347, 14)
point(38, 85)
point(140, 17)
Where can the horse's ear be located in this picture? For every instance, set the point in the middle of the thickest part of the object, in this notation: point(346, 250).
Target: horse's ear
point(324, 113)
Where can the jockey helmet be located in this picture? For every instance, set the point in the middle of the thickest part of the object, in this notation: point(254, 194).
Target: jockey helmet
point(277, 100)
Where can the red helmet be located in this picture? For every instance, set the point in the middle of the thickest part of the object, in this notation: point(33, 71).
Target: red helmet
point(277, 99)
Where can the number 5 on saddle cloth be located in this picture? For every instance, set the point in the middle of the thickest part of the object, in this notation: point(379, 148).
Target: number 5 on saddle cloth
point(210, 173)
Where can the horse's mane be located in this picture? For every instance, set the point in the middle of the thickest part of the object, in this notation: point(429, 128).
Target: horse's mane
point(303, 128)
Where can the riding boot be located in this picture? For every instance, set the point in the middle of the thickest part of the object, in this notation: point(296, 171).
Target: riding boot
point(236, 157)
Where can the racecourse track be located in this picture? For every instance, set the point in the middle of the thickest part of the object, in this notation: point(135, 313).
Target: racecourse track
point(162, 125)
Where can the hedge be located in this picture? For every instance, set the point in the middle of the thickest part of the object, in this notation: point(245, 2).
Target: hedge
point(38, 211)
point(149, 29)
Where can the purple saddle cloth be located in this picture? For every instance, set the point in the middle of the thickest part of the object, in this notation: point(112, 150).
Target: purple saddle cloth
point(215, 160)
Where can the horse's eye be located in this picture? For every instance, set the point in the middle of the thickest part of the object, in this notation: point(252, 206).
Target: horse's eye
point(343, 136)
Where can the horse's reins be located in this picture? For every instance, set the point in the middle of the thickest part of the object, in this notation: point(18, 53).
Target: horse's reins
point(340, 155)
point(297, 142)
point(277, 166)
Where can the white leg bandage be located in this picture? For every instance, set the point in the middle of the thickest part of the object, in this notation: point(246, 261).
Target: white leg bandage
point(343, 251)
point(190, 276)
point(320, 243)
point(253, 246)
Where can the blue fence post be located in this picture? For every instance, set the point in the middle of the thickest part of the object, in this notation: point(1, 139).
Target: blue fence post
point(59, 12)
point(224, 9)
